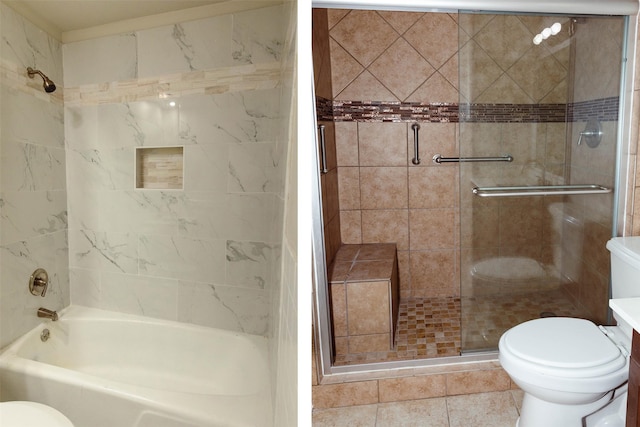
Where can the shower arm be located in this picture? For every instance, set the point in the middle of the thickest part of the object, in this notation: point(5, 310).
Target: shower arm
point(47, 84)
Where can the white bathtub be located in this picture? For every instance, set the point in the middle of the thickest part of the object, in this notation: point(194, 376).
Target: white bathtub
point(107, 369)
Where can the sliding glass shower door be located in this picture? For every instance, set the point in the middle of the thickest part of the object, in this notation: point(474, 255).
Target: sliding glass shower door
point(538, 121)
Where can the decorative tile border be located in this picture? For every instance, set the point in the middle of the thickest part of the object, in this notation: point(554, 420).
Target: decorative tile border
point(605, 109)
point(221, 80)
point(229, 79)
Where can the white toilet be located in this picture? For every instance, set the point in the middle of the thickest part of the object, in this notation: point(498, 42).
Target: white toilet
point(570, 369)
point(30, 414)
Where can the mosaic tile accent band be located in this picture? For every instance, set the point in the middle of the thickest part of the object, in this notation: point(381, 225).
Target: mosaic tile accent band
point(605, 109)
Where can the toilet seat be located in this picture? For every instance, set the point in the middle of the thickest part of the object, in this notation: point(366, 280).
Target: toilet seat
point(565, 347)
point(29, 414)
point(539, 353)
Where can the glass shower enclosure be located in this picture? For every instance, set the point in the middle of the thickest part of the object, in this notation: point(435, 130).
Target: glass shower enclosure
point(538, 131)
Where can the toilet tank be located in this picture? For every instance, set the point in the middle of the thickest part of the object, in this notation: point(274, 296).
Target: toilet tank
point(625, 266)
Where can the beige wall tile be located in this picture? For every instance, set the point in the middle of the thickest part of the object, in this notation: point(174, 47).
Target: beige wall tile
point(526, 72)
point(411, 388)
point(472, 23)
point(386, 226)
point(339, 309)
point(330, 200)
point(382, 144)
point(349, 187)
point(369, 343)
point(383, 188)
point(354, 31)
point(431, 228)
point(347, 143)
point(518, 138)
point(377, 252)
point(344, 68)
point(401, 55)
point(433, 273)
point(400, 21)
point(332, 238)
point(434, 26)
point(450, 72)
point(368, 308)
point(436, 89)
point(321, 55)
point(504, 90)
point(335, 15)
point(366, 88)
point(404, 274)
point(505, 39)
point(477, 382)
point(351, 227)
point(342, 345)
point(477, 71)
point(347, 394)
point(433, 187)
point(480, 228)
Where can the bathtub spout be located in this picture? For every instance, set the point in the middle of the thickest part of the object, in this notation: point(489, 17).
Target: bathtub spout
point(47, 314)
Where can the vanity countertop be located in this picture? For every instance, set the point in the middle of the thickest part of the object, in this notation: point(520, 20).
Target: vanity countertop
point(628, 309)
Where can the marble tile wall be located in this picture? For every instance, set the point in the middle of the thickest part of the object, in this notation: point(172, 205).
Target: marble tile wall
point(33, 196)
point(284, 303)
point(210, 253)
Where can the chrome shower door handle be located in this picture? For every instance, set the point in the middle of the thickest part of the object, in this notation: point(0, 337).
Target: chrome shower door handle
point(416, 156)
point(323, 151)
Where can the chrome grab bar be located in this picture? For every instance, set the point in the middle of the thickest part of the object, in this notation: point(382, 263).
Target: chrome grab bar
point(439, 159)
point(323, 151)
point(540, 190)
point(416, 158)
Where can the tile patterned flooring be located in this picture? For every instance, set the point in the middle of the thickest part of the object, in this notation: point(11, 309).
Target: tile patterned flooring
point(495, 409)
point(437, 327)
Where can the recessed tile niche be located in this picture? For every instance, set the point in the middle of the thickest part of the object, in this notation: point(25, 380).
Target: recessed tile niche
point(159, 168)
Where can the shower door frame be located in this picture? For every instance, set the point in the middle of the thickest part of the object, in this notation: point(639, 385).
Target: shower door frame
point(320, 310)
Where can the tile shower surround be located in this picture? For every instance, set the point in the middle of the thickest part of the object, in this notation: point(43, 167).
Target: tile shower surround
point(144, 251)
point(367, 89)
point(361, 111)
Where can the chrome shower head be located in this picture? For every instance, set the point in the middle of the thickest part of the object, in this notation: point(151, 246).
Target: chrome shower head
point(47, 84)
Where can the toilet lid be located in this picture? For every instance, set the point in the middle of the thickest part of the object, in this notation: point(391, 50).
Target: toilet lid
point(562, 342)
point(29, 414)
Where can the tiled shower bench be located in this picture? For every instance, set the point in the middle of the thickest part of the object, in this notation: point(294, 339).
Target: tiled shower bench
point(364, 292)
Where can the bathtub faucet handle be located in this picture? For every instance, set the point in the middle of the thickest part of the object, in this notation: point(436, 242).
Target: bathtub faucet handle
point(47, 314)
point(39, 282)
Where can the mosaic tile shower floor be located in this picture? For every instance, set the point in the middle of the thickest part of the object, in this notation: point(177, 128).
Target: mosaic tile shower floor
point(436, 327)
